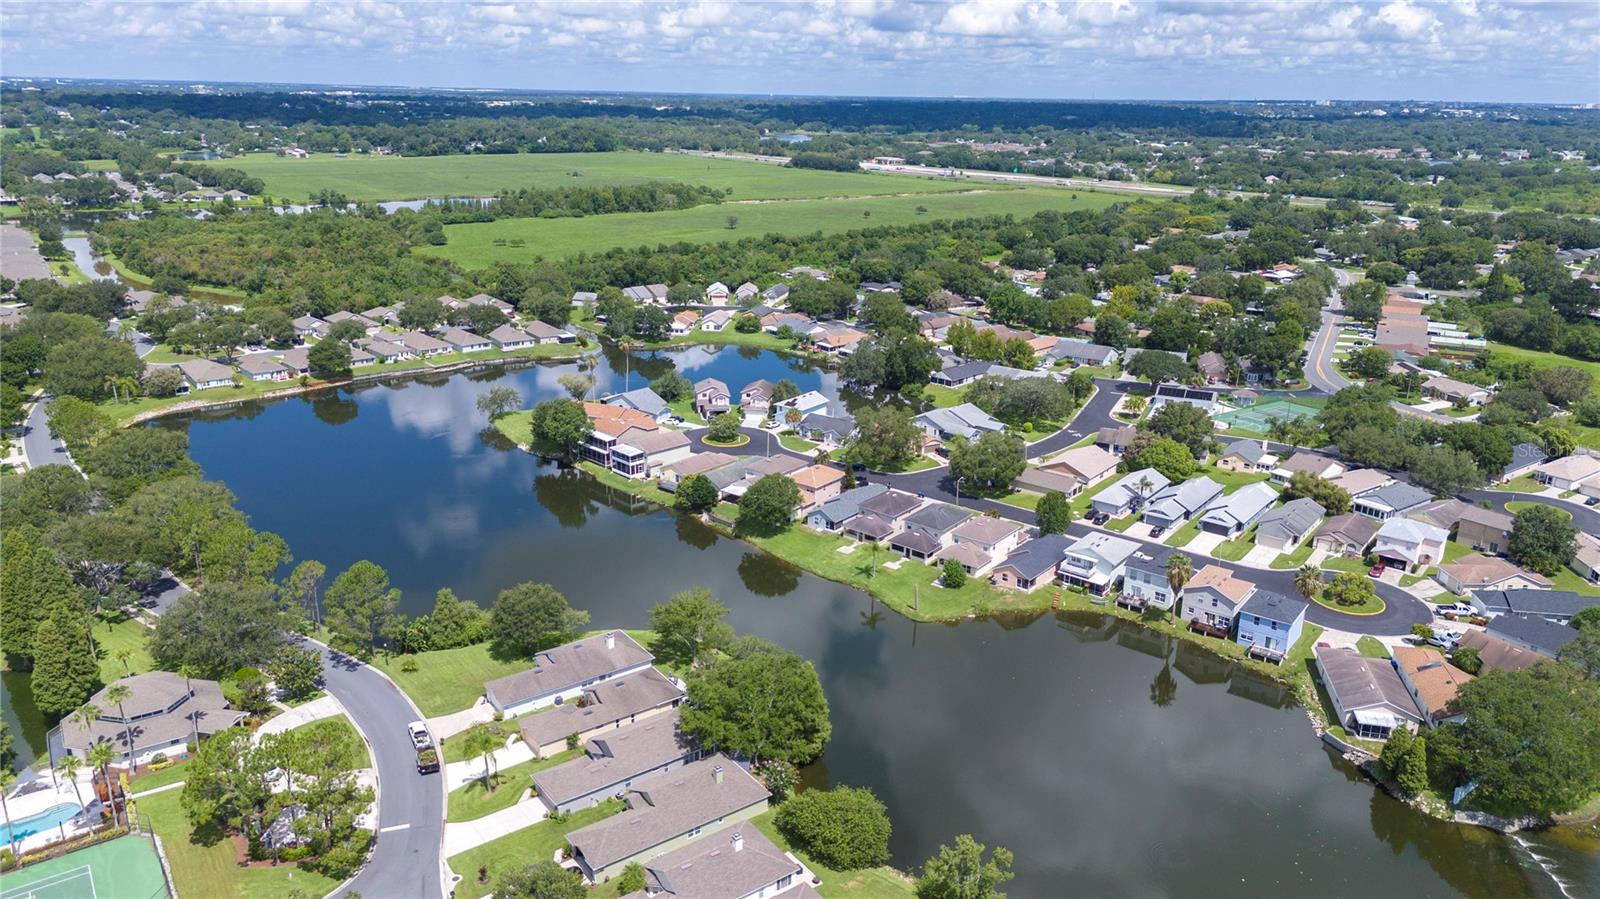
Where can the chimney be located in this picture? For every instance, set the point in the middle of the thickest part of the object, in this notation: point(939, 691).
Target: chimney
point(738, 841)
point(716, 774)
point(611, 639)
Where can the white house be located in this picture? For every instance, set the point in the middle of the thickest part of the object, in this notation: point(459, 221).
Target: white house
point(1409, 544)
point(1096, 562)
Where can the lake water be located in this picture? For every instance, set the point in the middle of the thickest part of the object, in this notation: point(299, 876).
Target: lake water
point(1112, 762)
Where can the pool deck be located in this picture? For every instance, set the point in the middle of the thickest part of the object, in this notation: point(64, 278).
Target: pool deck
point(39, 801)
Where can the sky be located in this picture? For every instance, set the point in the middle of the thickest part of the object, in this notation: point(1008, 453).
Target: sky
point(1483, 50)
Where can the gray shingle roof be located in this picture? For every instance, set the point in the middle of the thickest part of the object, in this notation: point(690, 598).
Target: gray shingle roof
point(162, 706)
point(642, 398)
point(1534, 631)
point(605, 703)
point(847, 504)
point(1399, 495)
point(1038, 556)
point(1292, 520)
point(1527, 601)
point(568, 665)
point(1249, 450)
point(893, 504)
point(615, 757)
point(712, 867)
point(937, 518)
point(1275, 606)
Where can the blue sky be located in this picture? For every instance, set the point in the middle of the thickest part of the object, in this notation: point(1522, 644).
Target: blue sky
point(1491, 50)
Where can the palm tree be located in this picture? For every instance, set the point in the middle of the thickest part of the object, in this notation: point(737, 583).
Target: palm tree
point(1308, 580)
point(101, 755)
point(1278, 432)
point(112, 383)
point(480, 740)
point(68, 768)
point(7, 776)
point(1179, 570)
point(119, 693)
point(187, 671)
point(123, 655)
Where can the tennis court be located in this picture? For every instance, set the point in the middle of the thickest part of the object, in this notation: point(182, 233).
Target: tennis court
point(1259, 417)
point(124, 868)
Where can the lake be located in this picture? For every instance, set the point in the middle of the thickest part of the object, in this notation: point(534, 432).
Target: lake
point(1112, 762)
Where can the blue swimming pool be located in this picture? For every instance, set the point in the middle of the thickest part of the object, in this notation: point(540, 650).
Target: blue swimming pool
point(23, 828)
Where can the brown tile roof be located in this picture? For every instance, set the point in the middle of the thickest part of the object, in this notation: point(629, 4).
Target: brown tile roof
point(1436, 680)
point(615, 420)
point(814, 477)
point(984, 529)
point(1498, 655)
point(1476, 571)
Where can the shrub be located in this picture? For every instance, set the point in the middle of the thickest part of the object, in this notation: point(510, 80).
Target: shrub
point(954, 576)
point(845, 828)
point(408, 665)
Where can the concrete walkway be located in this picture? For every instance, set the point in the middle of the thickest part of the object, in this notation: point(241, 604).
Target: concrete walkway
point(464, 835)
point(456, 722)
point(305, 713)
point(457, 774)
point(1260, 557)
point(154, 790)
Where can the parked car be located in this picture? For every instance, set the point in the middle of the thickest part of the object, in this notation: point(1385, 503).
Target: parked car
point(1157, 531)
point(1377, 570)
point(1445, 640)
point(1453, 608)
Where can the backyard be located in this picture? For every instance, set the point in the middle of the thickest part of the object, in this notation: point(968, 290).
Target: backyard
point(520, 848)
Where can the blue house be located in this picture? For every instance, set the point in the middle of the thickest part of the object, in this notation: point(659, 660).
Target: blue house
point(1270, 623)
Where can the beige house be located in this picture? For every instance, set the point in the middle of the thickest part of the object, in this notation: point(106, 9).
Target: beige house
point(1587, 561)
point(1485, 530)
point(1480, 572)
point(599, 708)
point(1454, 391)
point(1089, 464)
point(818, 484)
point(1568, 473)
point(1432, 682)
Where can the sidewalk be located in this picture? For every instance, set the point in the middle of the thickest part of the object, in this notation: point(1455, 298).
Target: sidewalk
point(456, 722)
point(457, 774)
point(315, 710)
point(464, 835)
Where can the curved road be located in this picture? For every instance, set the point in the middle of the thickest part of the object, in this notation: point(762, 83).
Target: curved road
point(39, 446)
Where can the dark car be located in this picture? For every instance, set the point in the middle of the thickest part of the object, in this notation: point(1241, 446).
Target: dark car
point(1157, 531)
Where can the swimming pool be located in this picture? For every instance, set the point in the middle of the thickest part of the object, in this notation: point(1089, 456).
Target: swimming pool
point(27, 827)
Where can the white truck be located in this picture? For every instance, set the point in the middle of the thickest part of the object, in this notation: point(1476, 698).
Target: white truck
point(422, 741)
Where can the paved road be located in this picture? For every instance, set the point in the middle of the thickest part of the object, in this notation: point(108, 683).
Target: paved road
point(405, 864)
point(38, 444)
point(1320, 369)
point(1587, 518)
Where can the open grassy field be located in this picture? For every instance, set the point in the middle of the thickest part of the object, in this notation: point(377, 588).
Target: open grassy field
point(419, 177)
point(1545, 360)
point(522, 239)
point(206, 864)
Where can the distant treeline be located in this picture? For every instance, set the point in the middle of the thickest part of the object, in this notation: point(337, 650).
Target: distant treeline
point(575, 202)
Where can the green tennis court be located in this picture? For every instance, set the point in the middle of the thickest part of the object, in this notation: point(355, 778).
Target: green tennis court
point(1259, 417)
point(124, 868)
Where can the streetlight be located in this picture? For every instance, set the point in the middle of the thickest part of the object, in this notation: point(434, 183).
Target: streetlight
point(958, 489)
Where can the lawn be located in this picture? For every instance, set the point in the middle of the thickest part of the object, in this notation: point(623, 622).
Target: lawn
point(470, 801)
point(882, 882)
point(481, 245)
point(1454, 551)
point(1518, 505)
point(1232, 480)
point(683, 408)
point(1371, 606)
point(1340, 563)
point(210, 868)
point(1567, 579)
point(941, 397)
point(149, 780)
point(796, 444)
point(1022, 499)
point(1585, 435)
point(118, 634)
point(920, 463)
point(417, 177)
point(1294, 559)
point(351, 749)
point(1372, 648)
point(1524, 484)
point(1235, 549)
point(1183, 535)
point(1544, 360)
point(518, 849)
point(517, 426)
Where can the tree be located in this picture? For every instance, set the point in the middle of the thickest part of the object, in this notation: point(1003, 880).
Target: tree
point(1586, 618)
point(480, 741)
point(1413, 772)
point(1157, 366)
point(1370, 362)
point(1179, 570)
point(885, 436)
point(1308, 581)
point(1349, 589)
point(296, 671)
point(695, 494)
point(77, 422)
point(162, 381)
point(329, 358)
point(45, 495)
point(1583, 653)
point(127, 459)
point(689, 626)
point(36, 583)
point(1543, 539)
point(1467, 659)
point(560, 426)
point(631, 880)
point(497, 401)
point(1054, 513)
point(954, 574)
point(672, 386)
point(768, 505)
point(529, 617)
point(101, 755)
point(845, 828)
point(421, 314)
point(83, 368)
point(346, 331)
point(541, 880)
point(785, 389)
point(961, 872)
point(1530, 739)
point(576, 385)
point(301, 588)
point(1563, 385)
point(724, 428)
point(219, 629)
point(1363, 301)
point(760, 702)
point(1189, 425)
point(1165, 455)
point(65, 672)
point(993, 460)
point(1444, 471)
point(1112, 331)
point(361, 605)
point(1333, 499)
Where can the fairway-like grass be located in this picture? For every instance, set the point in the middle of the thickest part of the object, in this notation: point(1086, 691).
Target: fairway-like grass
point(419, 177)
point(522, 239)
point(1544, 360)
point(112, 636)
point(209, 866)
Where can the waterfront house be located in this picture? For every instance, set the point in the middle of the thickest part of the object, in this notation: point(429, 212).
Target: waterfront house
point(735, 860)
point(832, 515)
point(995, 536)
point(1557, 605)
point(544, 333)
point(1391, 500)
point(463, 341)
point(1144, 579)
point(1408, 544)
point(1270, 624)
point(423, 345)
point(756, 396)
point(836, 340)
point(1475, 571)
point(1032, 564)
point(711, 397)
point(927, 530)
point(802, 405)
point(1115, 439)
point(1346, 534)
point(1432, 682)
point(297, 361)
point(829, 430)
point(692, 464)
point(818, 484)
point(1533, 633)
point(1246, 456)
point(1177, 503)
point(630, 442)
point(642, 399)
point(1088, 464)
point(602, 707)
point(684, 322)
point(964, 420)
point(716, 321)
point(203, 374)
point(508, 337)
point(380, 350)
point(1095, 562)
point(1368, 696)
point(263, 368)
point(164, 712)
point(1128, 493)
point(1284, 527)
point(961, 374)
point(565, 671)
point(1314, 464)
point(1236, 512)
point(1496, 654)
point(666, 812)
point(1569, 472)
point(1212, 598)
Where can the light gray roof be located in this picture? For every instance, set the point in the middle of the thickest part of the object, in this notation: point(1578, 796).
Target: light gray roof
point(1082, 351)
point(509, 334)
point(568, 665)
point(1357, 683)
point(1038, 556)
point(1242, 505)
point(605, 703)
point(1125, 490)
point(965, 419)
point(839, 426)
point(666, 806)
point(937, 518)
point(1542, 633)
point(1249, 450)
point(462, 337)
point(1292, 520)
point(1399, 496)
point(164, 707)
point(615, 757)
point(733, 861)
point(1274, 606)
point(199, 370)
point(544, 330)
point(1531, 601)
point(1187, 498)
point(256, 365)
point(710, 384)
point(846, 505)
point(642, 398)
point(964, 371)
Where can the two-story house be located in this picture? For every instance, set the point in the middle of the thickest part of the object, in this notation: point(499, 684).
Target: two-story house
point(1095, 562)
point(1145, 581)
point(977, 543)
point(1270, 623)
point(711, 397)
point(1212, 598)
point(1128, 493)
point(1407, 544)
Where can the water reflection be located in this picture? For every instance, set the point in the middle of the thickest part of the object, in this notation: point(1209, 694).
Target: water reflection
point(766, 575)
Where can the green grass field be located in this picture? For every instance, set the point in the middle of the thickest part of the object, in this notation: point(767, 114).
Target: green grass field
point(469, 801)
point(209, 866)
point(882, 882)
point(119, 634)
point(1545, 360)
point(418, 177)
point(481, 245)
point(521, 848)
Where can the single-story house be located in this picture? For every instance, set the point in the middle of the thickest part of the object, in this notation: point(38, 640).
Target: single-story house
point(646, 294)
point(1568, 472)
point(1524, 458)
point(1088, 464)
point(1208, 400)
point(1129, 492)
point(1270, 624)
point(692, 464)
point(830, 430)
point(1115, 438)
point(566, 671)
point(203, 374)
point(837, 341)
point(1432, 682)
point(716, 320)
point(1284, 527)
point(776, 295)
point(1177, 503)
point(1409, 544)
point(1212, 366)
point(1497, 654)
point(1391, 500)
point(1368, 695)
point(382, 350)
point(960, 375)
point(684, 322)
point(1587, 562)
point(642, 399)
point(1213, 597)
point(1557, 605)
point(1314, 464)
point(297, 361)
point(1095, 562)
point(423, 345)
point(835, 513)
point(746, 291)
point(1533, 633)
point(963, 420)
point(463, 341)
point(164, 712)
point(309, 326)
point(1441, 388)
point(1245, 456)
point(507, 337)
point(263, 368)
point(1357, 481)
point(602, 707)
point(717, 294)
point(736, 860)
point(1475, 571)
point(483, 299)
point(367, 324)
point(1043, 480)
point(1235, 513)
point(1346, 534)
point(546, 333)
point(1032, 564)
point(1081, 352)
point(1144, 579)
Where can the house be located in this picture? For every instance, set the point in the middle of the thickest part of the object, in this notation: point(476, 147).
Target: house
point(584, 297)
point(1044, 480)
point(1246, 456)
point(829, 430)
point(297, 361)
point(1587, 562)
point(980, 541)
point(837, 341)
point(818, 484)
point(1479, 572)
point(263, 368)
point(1346, 534)
point(1391, 500)
point(613, 760)
point(1368, 696)
point(601, 707)
point(1207, 400)
point(961, 375)
point(381, 350)
point(963, 420)
point(642, 399)
point(646, 294)
point(1212, 598)
point(544, 333)
point(1451, 390)
point(1524, 458)
point(1088, 464)
point(422, 345)
point(756, 395)
point(462, 341)
point(1144, 579)
point(816, 274)
point(1568, 473)
point(309, 326)
point(693, 464)
point(564, 672)
point(507, 337)
point(1032, 564)
point(1485, 530)
point(893, 507)
point(1497, 654)
point(1096, 562)
point(684, 322)
point(367, 324)
point(1236, 512)
point(1408, 544)
point(203, 374)
point(736, 860)
point(1081, 352)
point(1128, 493)
point(1115, 439)
point(1432, 682)
point(1532, 633)
point(1284, 527)
point(716, 321)
point(746, 291)
point(1557, 605)
point(630, 442)
point(927, 530)
point(1270, 624)
point(1357, 481)
point(1314, 464)
point(483, 299)
point(832, 515)
point(798, 407)
point(666, 812)
point(711, 397)
point(1212, 366)
point(776, 295)
point(1177, 503)
point(170, 711)
point(717, 294)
